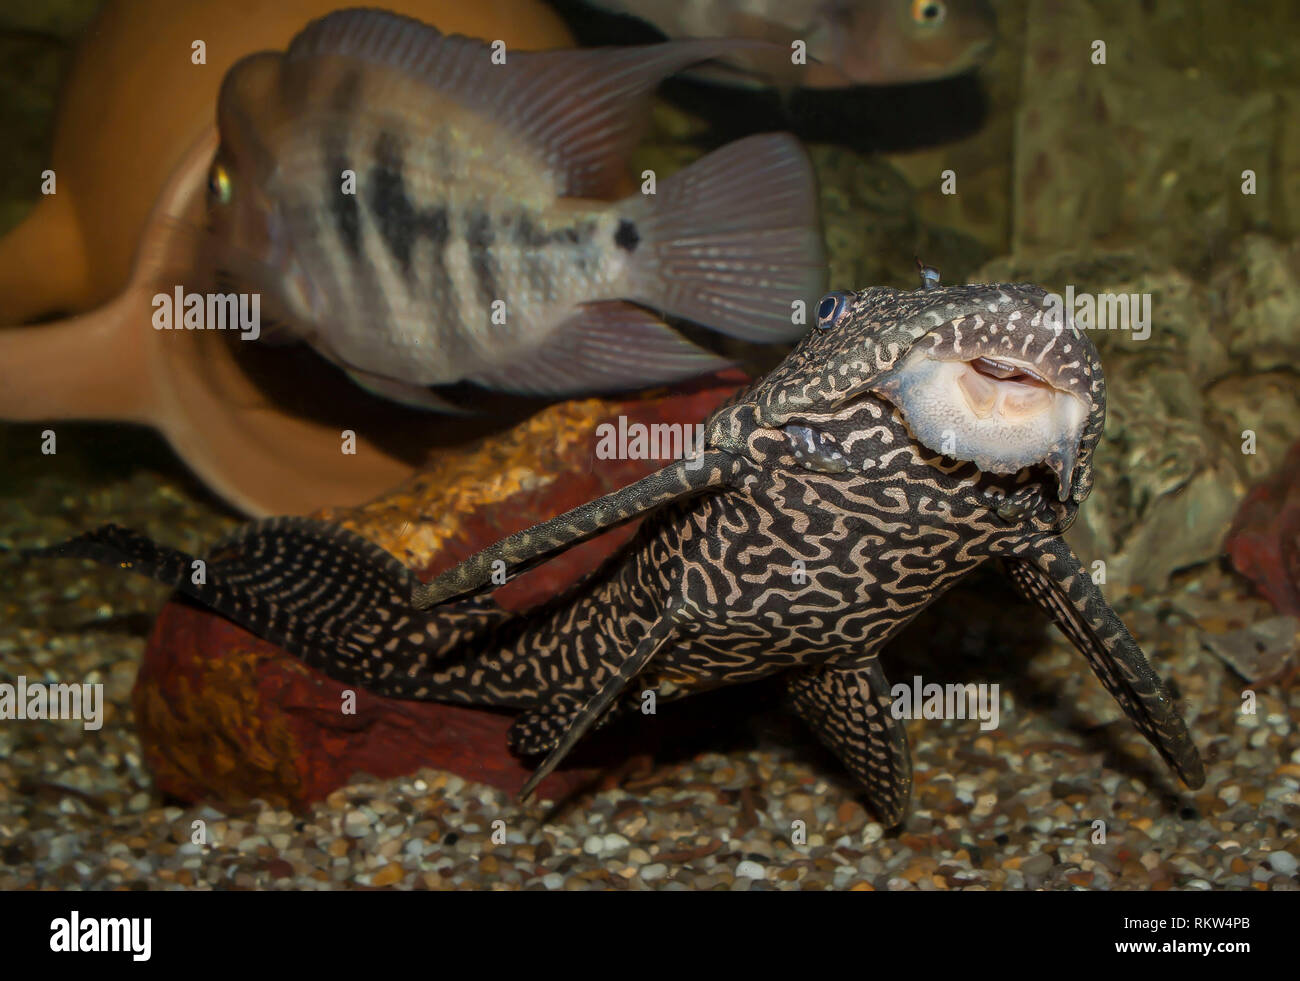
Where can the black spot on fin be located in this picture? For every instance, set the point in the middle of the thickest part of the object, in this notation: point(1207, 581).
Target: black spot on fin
point(626, 236)
point(733, 240)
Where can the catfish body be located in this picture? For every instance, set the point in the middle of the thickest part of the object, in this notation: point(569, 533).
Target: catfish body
point(426, 210)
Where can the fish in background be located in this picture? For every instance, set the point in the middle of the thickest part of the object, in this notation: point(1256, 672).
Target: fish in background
point(849, 42)
point(480, 242)
point(132, 144)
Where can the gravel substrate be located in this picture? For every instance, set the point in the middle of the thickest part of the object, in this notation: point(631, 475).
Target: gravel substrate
point(1013, 808)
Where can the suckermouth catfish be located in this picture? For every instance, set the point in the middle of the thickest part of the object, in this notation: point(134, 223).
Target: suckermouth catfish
point(425, 210)
point(910, 438)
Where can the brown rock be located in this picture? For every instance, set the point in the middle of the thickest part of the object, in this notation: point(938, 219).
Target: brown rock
point(278, 868)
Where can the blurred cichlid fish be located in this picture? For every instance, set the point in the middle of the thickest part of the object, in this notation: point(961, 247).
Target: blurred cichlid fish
point(849, 42)
point(423, 214)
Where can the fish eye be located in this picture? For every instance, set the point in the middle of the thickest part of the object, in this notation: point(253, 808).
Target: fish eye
point(219, 184)
point(831, 309)
point(929, 13)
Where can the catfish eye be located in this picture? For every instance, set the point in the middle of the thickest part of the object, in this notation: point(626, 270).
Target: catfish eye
point(831, 309)
point(219, 185)
point(929, 13)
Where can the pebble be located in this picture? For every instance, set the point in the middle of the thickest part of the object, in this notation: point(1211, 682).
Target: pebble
point(1038, 864)
point(1283, 862)
point(389, 875)
point(984, 805)
point(614, 843)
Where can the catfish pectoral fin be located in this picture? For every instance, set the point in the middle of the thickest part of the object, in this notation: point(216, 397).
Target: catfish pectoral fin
point(578, 722)
point(540, 729)
point(846, 704)
point(1051, 575)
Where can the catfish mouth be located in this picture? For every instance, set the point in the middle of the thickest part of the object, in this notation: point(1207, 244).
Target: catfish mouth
point(991, 385)
point(1003, 414)
point(1006, 370)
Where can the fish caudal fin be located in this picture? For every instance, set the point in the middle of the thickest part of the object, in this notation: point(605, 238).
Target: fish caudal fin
point(733, 241)
point(325, 594)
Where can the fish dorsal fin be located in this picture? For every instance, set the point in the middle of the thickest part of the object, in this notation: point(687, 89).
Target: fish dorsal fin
point(582, 110)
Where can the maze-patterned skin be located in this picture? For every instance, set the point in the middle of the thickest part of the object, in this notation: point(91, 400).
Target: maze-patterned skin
point(813, 527)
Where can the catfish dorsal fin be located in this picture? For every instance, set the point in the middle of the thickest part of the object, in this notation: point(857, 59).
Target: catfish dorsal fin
point(582, 110)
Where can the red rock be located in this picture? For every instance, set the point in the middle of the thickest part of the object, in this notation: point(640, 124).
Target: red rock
point(1264, 541)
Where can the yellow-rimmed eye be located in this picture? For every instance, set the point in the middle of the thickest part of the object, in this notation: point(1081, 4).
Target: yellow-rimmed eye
point(220, 187)
point(929, 13)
